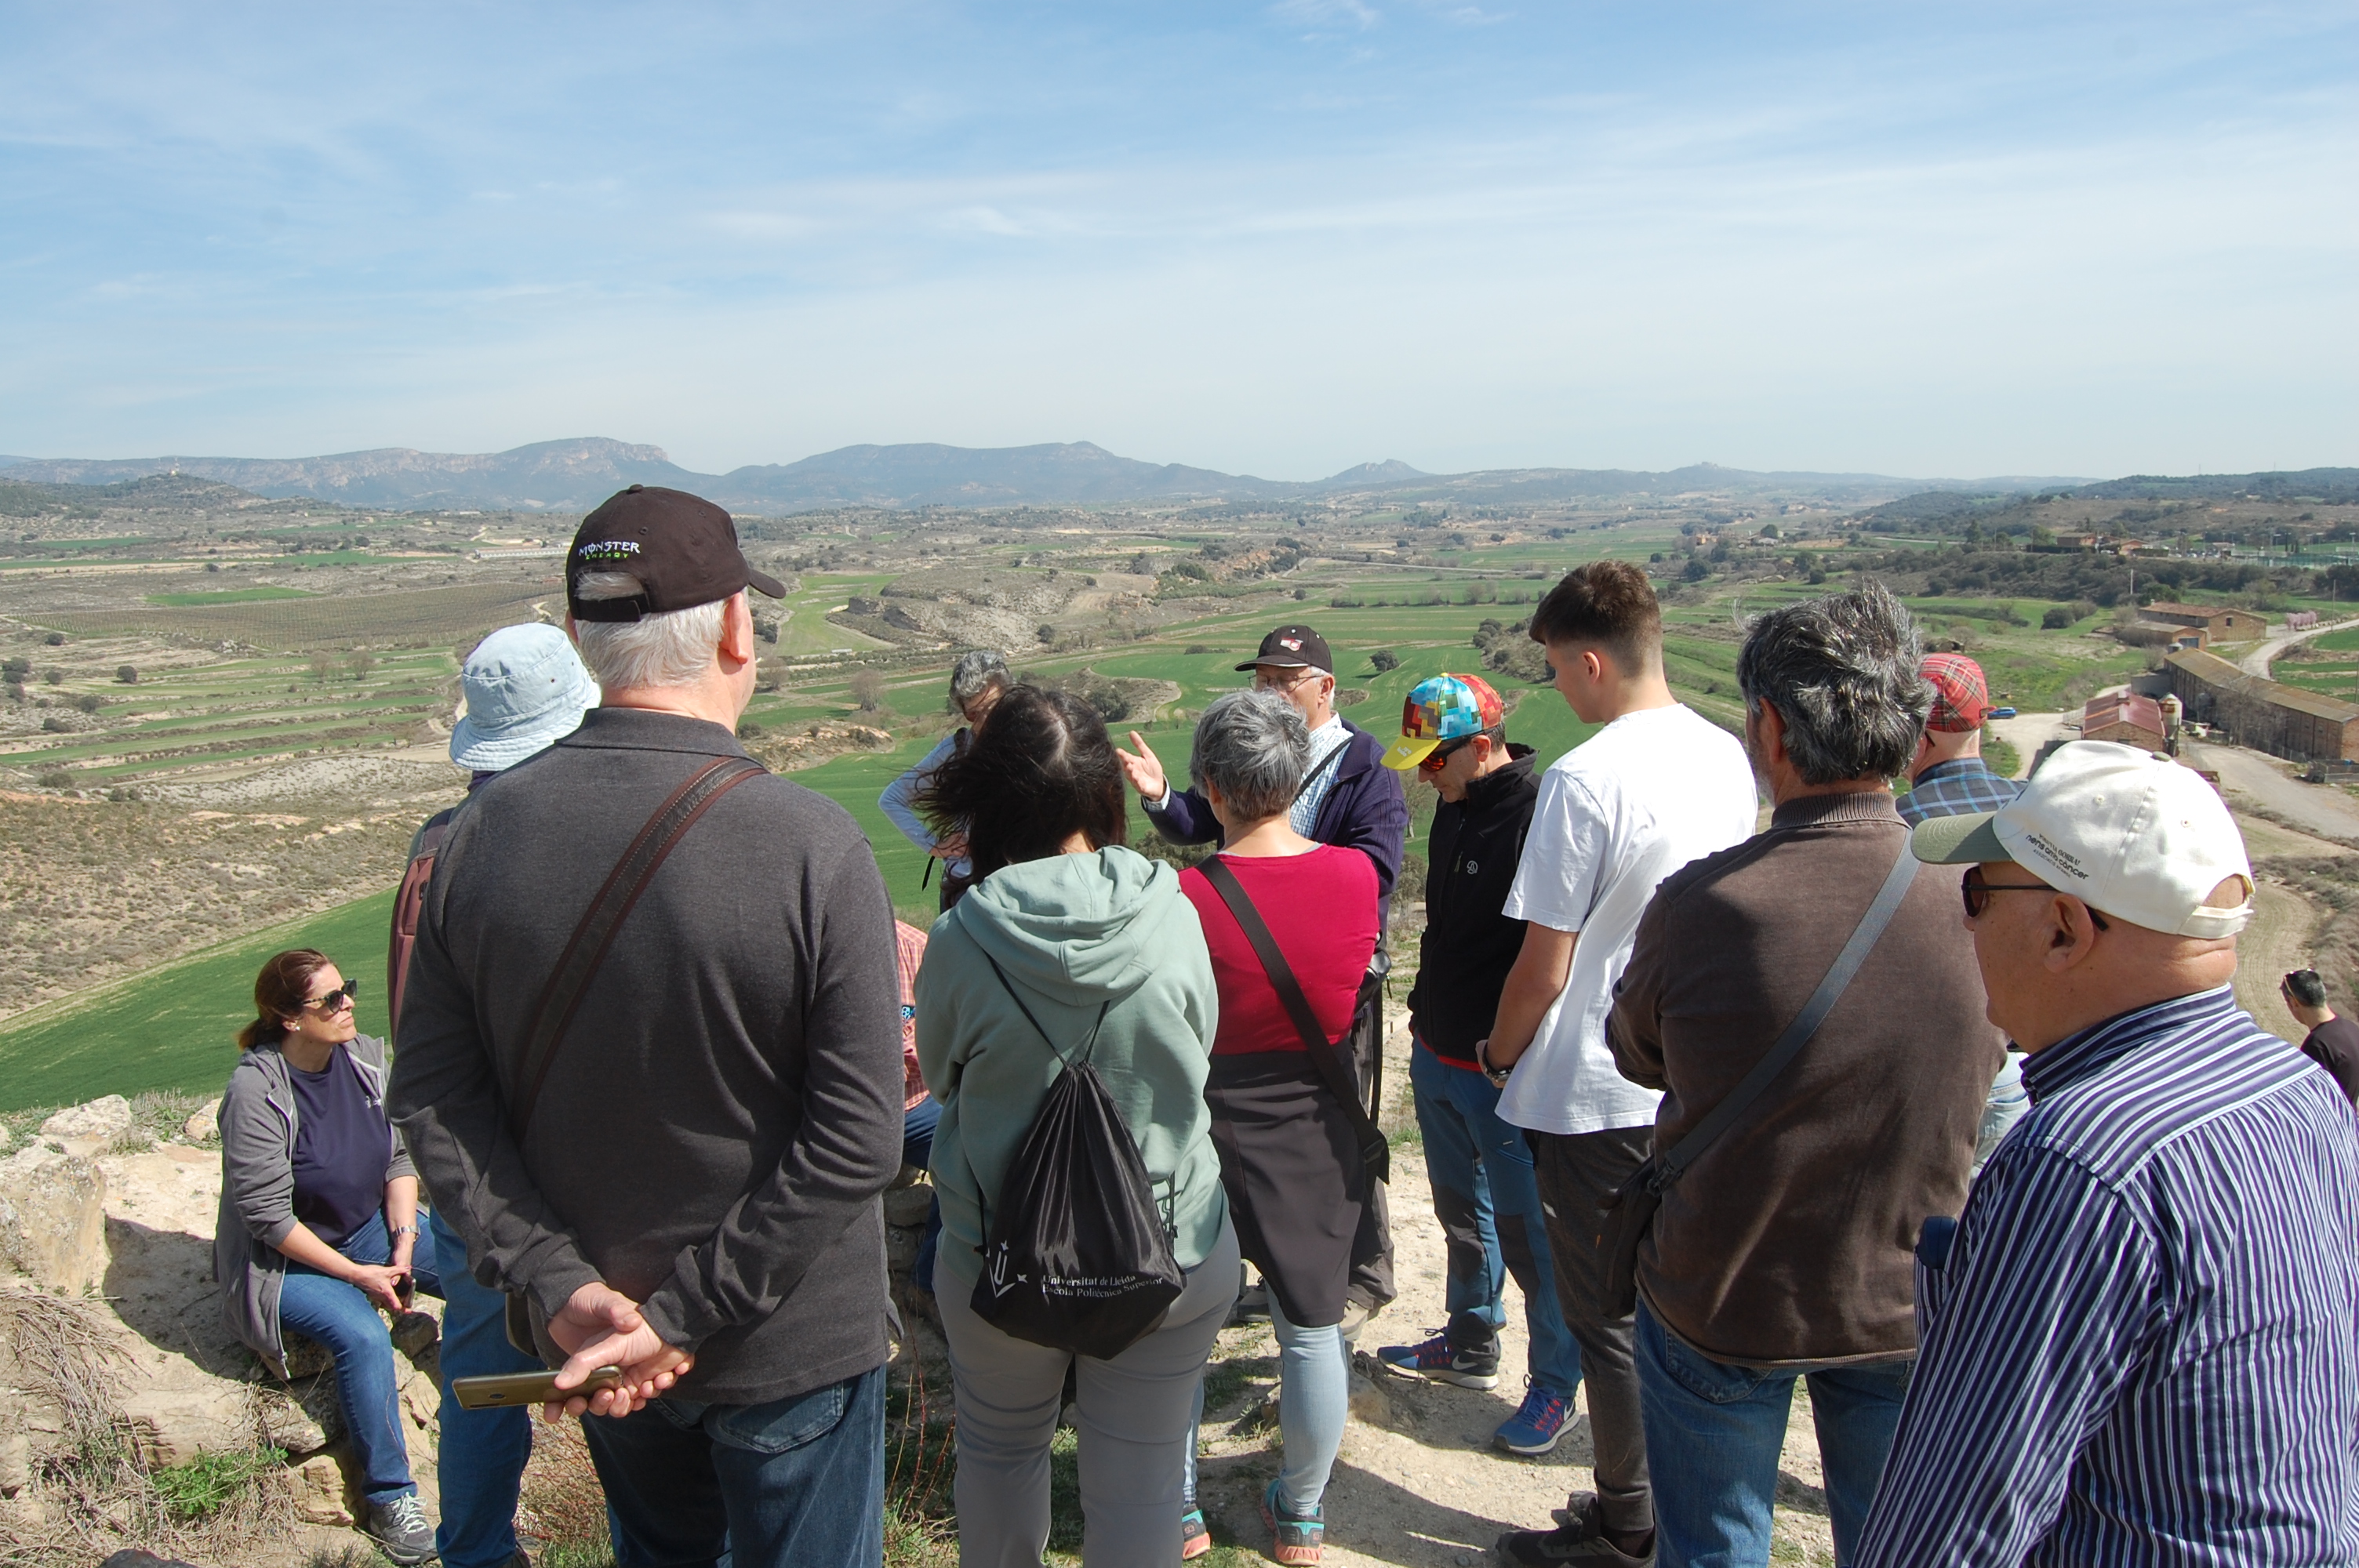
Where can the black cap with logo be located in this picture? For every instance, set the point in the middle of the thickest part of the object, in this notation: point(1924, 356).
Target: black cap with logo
point(1293, 648)
point(681, 547)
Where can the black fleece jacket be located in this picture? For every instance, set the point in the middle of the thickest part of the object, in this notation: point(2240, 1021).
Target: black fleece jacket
point(715, 1128)
point(1469, 946)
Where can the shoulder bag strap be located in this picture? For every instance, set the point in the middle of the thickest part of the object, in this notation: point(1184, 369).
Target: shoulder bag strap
point(1372, 1148)
point(586, 948)
point(1669, 1167)
point(1312, 775)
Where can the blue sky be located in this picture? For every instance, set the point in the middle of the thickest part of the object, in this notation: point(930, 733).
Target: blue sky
point(1281, 239)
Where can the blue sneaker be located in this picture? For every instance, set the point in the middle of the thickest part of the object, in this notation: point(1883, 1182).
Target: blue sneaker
point(1474, 1366)
point(1538, 1423)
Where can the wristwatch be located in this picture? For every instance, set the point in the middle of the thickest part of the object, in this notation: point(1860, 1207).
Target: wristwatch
point(402, 1231)
point(1498, 1076)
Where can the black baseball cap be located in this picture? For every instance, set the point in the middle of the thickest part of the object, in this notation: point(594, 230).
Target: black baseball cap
point(1293, 647)
point(681, 547)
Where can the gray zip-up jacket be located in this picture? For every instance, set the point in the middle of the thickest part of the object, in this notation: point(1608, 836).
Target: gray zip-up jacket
point(712, 1135)
point(257, 1202)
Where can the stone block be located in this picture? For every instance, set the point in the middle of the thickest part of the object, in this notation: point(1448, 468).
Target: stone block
point(322, 1493)
point(106, 1120)
point(908, 1206)
point(53, 1219)
point(1369, 1404)
point(204, 1125)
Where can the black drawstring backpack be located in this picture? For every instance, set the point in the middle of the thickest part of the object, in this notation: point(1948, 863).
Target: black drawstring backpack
point(1076, 1257)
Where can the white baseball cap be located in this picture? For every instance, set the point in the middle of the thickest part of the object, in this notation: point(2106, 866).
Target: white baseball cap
point(2128, 832)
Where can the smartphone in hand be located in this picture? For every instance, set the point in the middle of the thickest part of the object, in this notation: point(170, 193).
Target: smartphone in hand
point(512, 1388)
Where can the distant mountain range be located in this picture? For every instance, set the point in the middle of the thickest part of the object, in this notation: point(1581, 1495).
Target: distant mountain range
point(572, 476)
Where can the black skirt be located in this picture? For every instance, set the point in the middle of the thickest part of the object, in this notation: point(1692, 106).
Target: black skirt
point(1295, 1180)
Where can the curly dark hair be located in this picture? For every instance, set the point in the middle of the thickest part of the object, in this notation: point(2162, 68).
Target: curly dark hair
point(1040, 771)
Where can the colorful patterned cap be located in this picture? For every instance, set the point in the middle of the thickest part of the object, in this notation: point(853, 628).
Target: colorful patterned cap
point(1446, 708)
point(1961, 695)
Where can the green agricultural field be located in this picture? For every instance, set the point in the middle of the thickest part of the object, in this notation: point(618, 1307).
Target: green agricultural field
point(422, 617)
point(205, 716)
point(173, 1028)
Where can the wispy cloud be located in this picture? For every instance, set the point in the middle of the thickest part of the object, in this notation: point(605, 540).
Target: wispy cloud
point(1852, 238)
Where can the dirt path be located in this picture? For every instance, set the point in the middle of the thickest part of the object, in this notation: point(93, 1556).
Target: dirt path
point(2315, 808)
point(1417, 1482)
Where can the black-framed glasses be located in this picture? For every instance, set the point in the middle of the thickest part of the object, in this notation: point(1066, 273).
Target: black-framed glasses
point(336, 1000)
point(1976, 893)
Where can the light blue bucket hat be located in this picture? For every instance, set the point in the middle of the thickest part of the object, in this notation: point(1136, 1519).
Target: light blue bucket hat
point(526, 688)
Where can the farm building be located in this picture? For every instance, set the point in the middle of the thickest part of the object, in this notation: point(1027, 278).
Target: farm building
point(2263, 714)
point(2218, 624)
point(2132, 720)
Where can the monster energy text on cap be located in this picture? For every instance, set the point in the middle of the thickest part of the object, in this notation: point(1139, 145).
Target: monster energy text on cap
point(1293, 648)
point(681, 547)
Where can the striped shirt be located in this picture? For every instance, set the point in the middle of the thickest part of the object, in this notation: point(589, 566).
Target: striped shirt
point(1956, 788)
point(2142, 1346)
point(1325, 741)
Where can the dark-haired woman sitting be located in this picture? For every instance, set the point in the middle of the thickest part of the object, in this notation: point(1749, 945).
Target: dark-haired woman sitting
point(319, 1217)
point(1099, 945)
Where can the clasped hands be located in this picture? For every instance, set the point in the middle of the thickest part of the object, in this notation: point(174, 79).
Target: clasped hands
point(600, 1326)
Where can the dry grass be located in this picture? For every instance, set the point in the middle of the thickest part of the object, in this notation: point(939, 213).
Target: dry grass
point(424, 618)
point(94, 1495)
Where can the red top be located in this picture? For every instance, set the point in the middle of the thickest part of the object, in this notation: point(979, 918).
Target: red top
point(1321, 907)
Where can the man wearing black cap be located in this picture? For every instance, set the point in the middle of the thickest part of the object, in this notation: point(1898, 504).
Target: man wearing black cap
point(1348, 799)
point(660, 1120)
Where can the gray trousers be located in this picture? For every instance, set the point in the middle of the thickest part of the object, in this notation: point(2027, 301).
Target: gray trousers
point(1577, 1171)
point(1134, 1419)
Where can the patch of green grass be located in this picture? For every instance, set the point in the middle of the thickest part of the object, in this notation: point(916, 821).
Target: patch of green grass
point(173, 1028)
point(207, 1484)
point(2000, 756)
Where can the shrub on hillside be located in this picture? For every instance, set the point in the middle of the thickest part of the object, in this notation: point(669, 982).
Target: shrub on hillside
point(128, 674)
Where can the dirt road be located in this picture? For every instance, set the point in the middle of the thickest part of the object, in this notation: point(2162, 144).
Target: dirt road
point(2257, 662)
point(2266, 782)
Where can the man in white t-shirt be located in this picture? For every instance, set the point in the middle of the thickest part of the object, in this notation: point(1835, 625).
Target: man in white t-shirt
point(1657, 788)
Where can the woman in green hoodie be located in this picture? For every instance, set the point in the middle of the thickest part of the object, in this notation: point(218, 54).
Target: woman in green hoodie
point(1076, 923)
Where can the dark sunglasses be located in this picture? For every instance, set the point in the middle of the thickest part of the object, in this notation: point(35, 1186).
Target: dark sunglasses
point(338, 999)
point(1976, 893)
point(1439, 758)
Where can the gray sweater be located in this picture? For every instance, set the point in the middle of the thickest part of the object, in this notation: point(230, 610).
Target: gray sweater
point(716, 1128)
point(258, 1122)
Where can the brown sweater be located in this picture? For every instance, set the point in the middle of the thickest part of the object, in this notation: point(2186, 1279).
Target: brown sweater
point(1790, 1239)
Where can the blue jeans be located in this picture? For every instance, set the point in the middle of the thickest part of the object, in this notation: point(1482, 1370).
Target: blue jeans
point(1489, 1206)
point(917, 1149)
point(798, 1481)
point(350, 1329)
point(1713, 1432)
point(482, 1457)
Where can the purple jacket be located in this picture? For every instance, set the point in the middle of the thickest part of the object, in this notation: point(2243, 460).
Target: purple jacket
point(1365, 810)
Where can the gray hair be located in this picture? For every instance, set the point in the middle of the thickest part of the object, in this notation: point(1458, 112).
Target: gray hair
point(1252, 746)
point(977, 672)
point(674, 648)
point(1842, 673)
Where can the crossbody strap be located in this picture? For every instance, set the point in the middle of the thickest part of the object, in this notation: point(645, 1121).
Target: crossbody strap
point(586, 948)
point(1672, 1167)
point(1325, 763)
point(1372, 1148)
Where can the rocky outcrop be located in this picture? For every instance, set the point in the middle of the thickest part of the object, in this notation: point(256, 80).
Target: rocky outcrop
point(53, 1217)
point(128, 1239)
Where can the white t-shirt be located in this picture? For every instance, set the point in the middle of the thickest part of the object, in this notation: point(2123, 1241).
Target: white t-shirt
point(1617, 814)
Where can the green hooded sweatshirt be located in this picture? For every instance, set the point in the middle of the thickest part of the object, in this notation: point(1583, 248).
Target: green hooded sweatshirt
point(1071, 932)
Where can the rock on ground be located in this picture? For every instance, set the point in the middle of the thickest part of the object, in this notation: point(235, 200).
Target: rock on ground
point(52, 1218)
